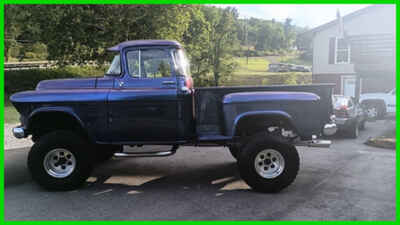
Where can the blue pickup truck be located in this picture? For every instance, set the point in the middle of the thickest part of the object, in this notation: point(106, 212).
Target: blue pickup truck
point(147, 98)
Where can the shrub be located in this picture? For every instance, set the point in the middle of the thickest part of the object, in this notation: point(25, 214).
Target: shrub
point(288, 78)
point(30, 56)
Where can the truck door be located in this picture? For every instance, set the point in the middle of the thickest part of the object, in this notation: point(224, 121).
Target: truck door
point(143, 103)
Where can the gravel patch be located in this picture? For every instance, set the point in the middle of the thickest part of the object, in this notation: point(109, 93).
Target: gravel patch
point(11, 142)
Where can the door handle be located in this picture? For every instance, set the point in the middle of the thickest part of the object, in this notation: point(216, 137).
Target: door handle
point(168, 82)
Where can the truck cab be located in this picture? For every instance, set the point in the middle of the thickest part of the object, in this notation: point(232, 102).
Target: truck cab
point(153, 90)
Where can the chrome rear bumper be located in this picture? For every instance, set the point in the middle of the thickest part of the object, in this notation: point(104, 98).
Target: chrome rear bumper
point(19, 132)
point(330, 129)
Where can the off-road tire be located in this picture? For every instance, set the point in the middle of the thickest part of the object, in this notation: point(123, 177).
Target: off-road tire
point(247, 169)
point(66, 140)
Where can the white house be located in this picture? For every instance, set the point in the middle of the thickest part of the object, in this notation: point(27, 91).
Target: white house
point(333, 54)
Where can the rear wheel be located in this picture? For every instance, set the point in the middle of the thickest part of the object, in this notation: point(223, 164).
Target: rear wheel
point(267, 164)
point(60, 161)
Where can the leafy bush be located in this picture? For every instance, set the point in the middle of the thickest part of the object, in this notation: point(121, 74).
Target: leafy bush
point(30, 56)
point(288, 78)
point(258, 53)
point(22, 80)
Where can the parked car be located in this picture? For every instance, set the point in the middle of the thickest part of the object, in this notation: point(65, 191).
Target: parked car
point(147, 98)
point(380, 105)
point(350, 116)
point(285, 67)
point(278, 67)
point(300, 68)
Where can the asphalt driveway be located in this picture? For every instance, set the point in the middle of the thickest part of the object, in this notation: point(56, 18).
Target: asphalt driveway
point(349, 181)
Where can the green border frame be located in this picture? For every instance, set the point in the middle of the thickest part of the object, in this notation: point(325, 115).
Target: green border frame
point(5, 2)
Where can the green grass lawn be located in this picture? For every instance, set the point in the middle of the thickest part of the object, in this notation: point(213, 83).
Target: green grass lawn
point(10, 113)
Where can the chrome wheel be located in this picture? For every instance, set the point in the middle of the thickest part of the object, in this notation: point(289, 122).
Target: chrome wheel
point(59, 163)
point(269, 163)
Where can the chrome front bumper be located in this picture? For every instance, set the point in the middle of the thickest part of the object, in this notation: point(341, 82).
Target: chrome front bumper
point(19, 132)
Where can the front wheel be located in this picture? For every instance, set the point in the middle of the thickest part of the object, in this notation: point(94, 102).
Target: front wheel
point(60, 161)
point(267, 164)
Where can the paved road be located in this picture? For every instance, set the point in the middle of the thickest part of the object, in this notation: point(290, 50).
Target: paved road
point(350, 181)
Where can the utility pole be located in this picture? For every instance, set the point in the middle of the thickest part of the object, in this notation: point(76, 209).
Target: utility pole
point(246, 39)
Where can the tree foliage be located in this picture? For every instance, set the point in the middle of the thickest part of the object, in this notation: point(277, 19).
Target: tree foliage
point(267, 34)
point(76, 34)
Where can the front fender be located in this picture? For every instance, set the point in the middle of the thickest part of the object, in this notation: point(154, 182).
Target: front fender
point(61, 109)
point(58, 109)
point(269, 114)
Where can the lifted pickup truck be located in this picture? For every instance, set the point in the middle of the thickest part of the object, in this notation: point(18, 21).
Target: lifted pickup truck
point(147, 98)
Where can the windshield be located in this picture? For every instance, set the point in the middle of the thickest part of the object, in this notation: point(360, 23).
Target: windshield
point(115, 67)
point(182, 62)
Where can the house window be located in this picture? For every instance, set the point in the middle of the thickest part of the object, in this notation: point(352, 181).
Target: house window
point(342, 51)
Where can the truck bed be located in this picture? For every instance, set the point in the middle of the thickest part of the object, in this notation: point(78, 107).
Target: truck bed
point(208, 109)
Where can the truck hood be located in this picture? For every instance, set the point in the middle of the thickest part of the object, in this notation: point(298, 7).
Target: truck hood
point(86, 83)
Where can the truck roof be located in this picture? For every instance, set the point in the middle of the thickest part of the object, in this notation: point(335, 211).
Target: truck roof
point(135, 43)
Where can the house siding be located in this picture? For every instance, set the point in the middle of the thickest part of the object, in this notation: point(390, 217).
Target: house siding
point(382, 20)
point(379, 83)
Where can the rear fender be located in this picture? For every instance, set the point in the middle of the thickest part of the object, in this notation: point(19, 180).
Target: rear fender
point(262, 116)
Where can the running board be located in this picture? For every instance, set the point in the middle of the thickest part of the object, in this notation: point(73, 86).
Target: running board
point(147, 154)
point(315, 143)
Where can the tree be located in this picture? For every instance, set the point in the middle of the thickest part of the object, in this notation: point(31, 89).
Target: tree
point(222, 39)
point(10, 29)
point(290, 35)
point(304, 43)
point(196, 40)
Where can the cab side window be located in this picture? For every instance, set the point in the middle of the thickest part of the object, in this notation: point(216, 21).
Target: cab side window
point(149, 63)
point(156, 63)
point(133, 63)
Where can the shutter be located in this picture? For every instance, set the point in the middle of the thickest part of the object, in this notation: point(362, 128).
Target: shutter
point(332, 42)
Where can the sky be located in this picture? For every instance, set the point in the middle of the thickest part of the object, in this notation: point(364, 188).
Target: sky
point(302, 15)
